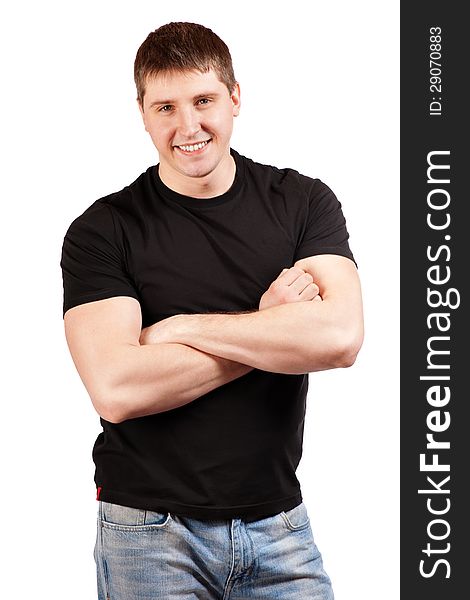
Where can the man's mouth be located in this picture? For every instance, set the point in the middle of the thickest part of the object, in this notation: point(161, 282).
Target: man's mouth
point(191, 148)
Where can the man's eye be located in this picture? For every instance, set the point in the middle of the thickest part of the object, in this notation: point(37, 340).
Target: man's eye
point(165, 108)
point(203, 101)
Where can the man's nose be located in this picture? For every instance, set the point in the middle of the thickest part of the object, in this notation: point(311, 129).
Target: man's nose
point(188, 123)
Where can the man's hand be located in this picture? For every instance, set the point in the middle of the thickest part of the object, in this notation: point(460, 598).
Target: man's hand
point(292, 285)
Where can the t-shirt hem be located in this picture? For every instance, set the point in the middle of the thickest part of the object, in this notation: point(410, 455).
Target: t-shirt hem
point(93, 297)
point(337, 250)
point(247, 511)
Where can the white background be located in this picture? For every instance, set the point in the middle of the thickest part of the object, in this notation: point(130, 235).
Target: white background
point(319, 85)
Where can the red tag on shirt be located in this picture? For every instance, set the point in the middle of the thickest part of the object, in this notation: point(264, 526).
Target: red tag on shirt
point(98, 492)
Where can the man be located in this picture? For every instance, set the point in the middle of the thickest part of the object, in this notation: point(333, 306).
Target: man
point(196, 300)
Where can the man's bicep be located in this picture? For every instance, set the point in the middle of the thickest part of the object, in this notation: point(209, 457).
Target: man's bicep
point(340, 289)
point(335, 275)
point(94, 332)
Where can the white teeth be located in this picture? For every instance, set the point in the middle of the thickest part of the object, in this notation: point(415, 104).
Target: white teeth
point(194, 146)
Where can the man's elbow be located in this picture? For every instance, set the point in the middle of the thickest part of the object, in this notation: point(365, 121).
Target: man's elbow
point(108, 405)
point(346, 359)
point(109, 411)
point(340, 352)
point(123, 402)
point(113, 416)
point(348, 345)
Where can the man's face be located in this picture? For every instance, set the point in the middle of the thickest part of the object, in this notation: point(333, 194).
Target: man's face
point(189, 117)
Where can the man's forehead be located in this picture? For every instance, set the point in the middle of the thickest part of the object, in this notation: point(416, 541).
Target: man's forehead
point(188, 77)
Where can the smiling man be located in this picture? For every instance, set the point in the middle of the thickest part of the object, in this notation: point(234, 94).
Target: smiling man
point(196, 301)
point(189, 117)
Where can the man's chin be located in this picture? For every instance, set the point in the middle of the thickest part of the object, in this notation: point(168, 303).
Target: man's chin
point(196, 171)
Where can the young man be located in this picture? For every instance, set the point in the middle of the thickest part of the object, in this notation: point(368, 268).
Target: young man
point(196, 300)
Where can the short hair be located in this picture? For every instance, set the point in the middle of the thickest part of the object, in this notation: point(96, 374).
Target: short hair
point(178, 47)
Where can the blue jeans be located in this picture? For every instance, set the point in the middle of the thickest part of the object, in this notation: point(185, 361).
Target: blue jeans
point(145, 555)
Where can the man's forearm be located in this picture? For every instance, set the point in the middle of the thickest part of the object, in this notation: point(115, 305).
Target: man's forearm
point(290, 338)
point(156, 378)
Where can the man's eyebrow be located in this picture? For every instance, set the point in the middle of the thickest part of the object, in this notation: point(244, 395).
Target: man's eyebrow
point(197, 97)
point(207, 95)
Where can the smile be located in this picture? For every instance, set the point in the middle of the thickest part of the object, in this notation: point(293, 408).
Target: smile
point(190, 148)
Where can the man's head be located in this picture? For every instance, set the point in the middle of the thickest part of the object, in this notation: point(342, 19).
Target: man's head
point(188, 97)
point(180, 47)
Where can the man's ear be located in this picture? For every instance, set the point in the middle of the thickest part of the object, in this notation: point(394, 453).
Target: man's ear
point(236, 101)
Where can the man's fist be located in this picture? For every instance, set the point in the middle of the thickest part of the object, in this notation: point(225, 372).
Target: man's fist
point(292, 285)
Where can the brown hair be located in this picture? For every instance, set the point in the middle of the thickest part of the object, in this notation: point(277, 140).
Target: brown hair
point(182, 47)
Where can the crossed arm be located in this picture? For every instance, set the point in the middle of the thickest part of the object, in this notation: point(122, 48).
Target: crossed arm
point(301, 326)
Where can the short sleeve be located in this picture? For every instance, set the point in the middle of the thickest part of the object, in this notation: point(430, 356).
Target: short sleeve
point(325, 227)
point(92, 262)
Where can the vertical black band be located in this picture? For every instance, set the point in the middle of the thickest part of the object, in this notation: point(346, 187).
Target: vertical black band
point(435, 430)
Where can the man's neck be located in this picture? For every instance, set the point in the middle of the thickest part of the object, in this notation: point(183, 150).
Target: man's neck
point(211, 185)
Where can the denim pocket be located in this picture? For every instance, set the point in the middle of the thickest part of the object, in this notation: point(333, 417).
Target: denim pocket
point(125, 518)
point(296, 518)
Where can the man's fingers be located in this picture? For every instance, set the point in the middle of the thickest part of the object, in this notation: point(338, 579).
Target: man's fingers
point(288, 276)
point(292, 285)
point(302, 281)
point(310, 293)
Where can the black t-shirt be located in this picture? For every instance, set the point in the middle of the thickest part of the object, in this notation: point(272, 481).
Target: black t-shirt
point(233, 452)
